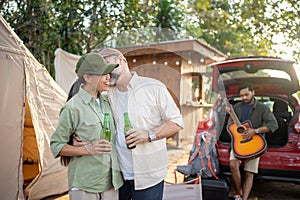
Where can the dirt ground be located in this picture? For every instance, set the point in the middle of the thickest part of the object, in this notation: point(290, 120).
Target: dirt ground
point(262, 190)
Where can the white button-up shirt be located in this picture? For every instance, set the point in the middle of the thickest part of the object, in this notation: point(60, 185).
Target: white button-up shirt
point(149, 105)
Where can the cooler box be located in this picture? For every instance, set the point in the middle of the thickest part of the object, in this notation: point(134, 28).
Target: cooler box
point(215, 189)
point(182, 192)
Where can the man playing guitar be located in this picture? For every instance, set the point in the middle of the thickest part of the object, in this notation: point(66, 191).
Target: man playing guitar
point(263, 121)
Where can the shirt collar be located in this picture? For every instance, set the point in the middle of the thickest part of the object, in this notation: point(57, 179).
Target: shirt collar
point(255, 103)
point(134, 80)
point(104, 96)
point(86, 97)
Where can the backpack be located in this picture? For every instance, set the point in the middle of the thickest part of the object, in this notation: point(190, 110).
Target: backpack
point(203, 159)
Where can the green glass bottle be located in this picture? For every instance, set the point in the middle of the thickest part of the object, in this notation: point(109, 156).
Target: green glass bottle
point(106, 128)
point(127, 126)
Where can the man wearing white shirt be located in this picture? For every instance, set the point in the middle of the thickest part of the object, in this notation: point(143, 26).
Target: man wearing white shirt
point(154, 117)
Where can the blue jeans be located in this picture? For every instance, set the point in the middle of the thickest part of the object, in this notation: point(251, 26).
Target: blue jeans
point(127, 192)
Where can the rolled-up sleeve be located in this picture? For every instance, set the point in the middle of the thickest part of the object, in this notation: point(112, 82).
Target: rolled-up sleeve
point(168, 108)
point(270, 120)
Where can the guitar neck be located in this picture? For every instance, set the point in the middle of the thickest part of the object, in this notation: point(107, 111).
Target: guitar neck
point(234, 117)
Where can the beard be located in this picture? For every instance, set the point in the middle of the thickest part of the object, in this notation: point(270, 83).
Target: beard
point(114, 78)
point(248, 101)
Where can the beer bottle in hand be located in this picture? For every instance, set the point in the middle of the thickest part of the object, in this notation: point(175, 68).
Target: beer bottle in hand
point(106, 127)
point(127, 126)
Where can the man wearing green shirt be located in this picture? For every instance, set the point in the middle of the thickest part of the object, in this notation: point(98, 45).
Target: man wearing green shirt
point(263, 121)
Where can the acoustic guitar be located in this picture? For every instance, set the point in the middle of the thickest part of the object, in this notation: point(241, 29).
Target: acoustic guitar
point(244, 148)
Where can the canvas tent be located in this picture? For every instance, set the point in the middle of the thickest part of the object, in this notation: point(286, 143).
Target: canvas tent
point(30, 104)
point(65, 64)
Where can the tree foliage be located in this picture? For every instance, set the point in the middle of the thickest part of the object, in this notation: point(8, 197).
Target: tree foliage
point(248, 27)
point(76, 26)
point(157, 21)
point(237, 28)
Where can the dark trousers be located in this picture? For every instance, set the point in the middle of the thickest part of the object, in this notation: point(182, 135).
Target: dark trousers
point(127, 192)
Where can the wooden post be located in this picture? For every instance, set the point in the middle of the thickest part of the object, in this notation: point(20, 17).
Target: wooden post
point(58, 41)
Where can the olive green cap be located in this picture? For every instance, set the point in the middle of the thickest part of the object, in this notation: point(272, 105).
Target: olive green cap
point(93, 63)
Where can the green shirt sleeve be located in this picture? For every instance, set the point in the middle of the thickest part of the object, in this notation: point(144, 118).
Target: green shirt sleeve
point(269, 119)
point(64, 130)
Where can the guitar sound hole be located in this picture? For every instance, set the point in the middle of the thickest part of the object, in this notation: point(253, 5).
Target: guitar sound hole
point(241, 129)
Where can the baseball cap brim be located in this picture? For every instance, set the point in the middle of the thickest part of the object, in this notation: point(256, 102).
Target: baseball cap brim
point(109, 69)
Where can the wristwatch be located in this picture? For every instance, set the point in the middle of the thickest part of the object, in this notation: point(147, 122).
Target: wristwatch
point(257, 131)
point(151, 136)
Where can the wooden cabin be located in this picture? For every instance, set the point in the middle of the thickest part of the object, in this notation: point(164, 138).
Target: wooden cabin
point(182, 66)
